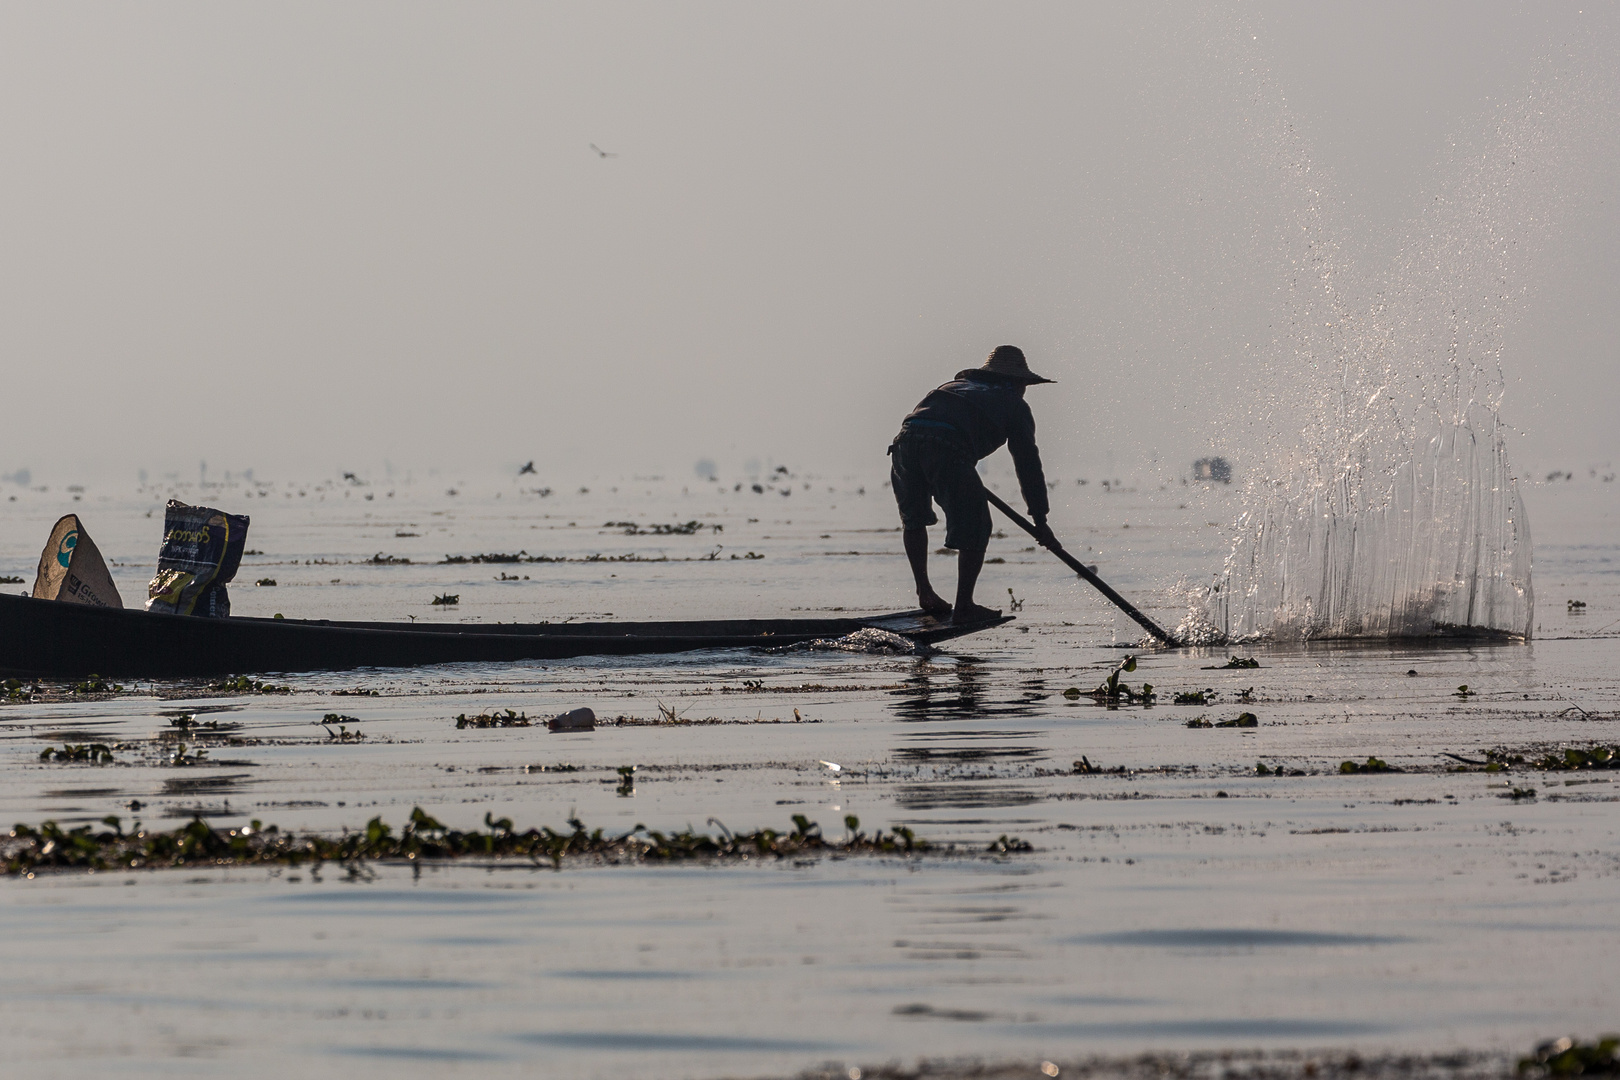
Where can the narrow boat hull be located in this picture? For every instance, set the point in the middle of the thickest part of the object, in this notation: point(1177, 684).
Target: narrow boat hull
point(50, 639)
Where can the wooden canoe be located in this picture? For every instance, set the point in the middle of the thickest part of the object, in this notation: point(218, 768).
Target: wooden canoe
point(51, 639)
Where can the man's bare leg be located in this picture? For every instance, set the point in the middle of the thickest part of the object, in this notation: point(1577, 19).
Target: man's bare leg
point(968, 565)
point(917, 554)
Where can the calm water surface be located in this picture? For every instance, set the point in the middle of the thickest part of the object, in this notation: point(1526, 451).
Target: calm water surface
point(1185, 903)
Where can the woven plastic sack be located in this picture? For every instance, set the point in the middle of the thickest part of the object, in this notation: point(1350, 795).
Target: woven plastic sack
point(202, 547)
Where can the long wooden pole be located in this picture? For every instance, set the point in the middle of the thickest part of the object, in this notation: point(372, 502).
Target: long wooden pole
point(1084, 571)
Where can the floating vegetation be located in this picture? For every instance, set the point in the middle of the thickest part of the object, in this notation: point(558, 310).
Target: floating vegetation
point(1566, 1057)
point(1111, 691)
point(380, 559)
point(1576, 607)
point(1518, 794)
point(1199, 722)
point(199, 844)
point(188, 722)
point(1196, 697)
point(78, 753)
point(1463, 692)
point(8, 579)
point(356, 693)
point(493, 720)
point(1009, 845)
point(1567, 759)
point(95, 684)
point(342, 734)
point(241, 684)
point(630, 557)
point(1373, 765)
point(1247, 719)
point(1276, 770)
point(627, 781)
point(687, 528)
point(266, 582)
point(1084, 767)
point(1013, 603)
point(522, 556)
point(446, 599)
point(183, 756)
point(13, 690)
point(1234, 662)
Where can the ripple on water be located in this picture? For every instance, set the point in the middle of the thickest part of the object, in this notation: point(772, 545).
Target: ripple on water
point(1233, 938)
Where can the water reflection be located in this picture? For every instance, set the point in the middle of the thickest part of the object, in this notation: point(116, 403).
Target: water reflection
point(960, 691)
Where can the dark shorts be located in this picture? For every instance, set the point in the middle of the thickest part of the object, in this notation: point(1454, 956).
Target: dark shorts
point(926, 471)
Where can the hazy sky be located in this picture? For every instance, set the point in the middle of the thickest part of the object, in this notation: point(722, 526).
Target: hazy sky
point(303, 237)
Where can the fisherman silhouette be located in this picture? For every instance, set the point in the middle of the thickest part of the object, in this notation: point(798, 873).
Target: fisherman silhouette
point(934, 459)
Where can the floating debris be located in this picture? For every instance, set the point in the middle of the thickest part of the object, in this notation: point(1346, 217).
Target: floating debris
point(95, 684)
point(1234, 662)
point(342, 734)
point(199, 844)
point(493, 720)
point(446, 599)
point(1196, 697)
point(580, 719)
point(266, 582)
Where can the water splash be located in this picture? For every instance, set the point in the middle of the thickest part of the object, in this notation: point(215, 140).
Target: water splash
point(868, 640)
point(1383, 503)
point(1449, 553)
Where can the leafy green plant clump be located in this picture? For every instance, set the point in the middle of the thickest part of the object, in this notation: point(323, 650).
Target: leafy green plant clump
point(199, 844)
point(85, 753)
point(342, 734)
point(1195, 697)
point(1111, 691)
point(13, 690)
point(1247, 719)
point(1567, 1057)
point(242, 684)
point(1373, 765)
point(1234, 662)
point(1574, 759)
point(95, 684)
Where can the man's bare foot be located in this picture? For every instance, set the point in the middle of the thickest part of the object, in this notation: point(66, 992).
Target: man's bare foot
point(973, 613)
point(933, 603)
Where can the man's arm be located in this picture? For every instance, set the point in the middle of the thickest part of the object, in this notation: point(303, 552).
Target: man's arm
point(1027, 461)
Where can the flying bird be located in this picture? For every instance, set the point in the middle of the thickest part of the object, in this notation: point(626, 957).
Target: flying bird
point(601, 152)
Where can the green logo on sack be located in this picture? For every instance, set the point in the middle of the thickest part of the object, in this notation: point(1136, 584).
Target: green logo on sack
point(64, 551)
